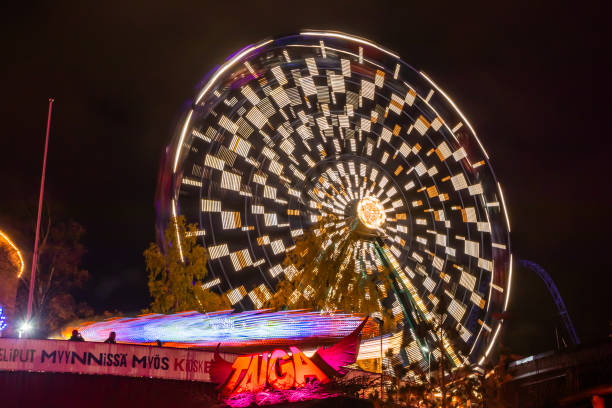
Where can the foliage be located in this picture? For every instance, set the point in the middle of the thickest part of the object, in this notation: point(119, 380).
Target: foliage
point(444, 335)
point(412, 386)
point(176, 272)
point(58, 275)
point(356, 385)
point(209, 301)
point(323, 274)
point(436, 384)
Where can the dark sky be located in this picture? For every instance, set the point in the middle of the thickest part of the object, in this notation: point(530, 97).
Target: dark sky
point(528, 75)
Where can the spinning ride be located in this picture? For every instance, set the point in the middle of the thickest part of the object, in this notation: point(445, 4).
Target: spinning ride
point(11, 269)
point(293, 129)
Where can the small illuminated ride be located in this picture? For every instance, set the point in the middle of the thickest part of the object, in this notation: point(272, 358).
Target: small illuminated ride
point(293, 129)
point(232, 330)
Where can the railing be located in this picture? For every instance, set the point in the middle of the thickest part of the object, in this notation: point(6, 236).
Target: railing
point(546, 362)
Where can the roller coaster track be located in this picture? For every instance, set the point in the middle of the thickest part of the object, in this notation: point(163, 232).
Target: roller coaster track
point(554, 292)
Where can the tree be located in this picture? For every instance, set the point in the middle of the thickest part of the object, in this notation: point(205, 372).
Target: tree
point(176, 272)
point(413, 385)
point(324, 273)
point(58, 274)
point(468, 386)
point(355, 385)
point(437, 344)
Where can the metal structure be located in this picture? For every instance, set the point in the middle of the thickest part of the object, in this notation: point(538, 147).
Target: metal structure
point(251, 328)
point(255, 329)
point(293, 129)
point(554, 292)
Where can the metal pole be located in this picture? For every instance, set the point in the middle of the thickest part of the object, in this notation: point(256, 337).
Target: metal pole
point(381, 360)
point(40, 201)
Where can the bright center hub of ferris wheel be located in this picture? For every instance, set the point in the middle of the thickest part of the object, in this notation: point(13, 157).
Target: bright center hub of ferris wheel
point(371, 212)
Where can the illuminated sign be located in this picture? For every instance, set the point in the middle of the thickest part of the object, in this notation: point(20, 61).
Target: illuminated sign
point(279, 370)
point(60, 356)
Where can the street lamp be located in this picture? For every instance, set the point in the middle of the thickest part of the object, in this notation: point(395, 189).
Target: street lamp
point(380, 327)
point(25, 327)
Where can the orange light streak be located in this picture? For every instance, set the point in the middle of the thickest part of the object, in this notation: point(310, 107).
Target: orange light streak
point(12, 245)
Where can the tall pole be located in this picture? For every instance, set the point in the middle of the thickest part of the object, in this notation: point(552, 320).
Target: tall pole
point(381, 360)
point(40, 202)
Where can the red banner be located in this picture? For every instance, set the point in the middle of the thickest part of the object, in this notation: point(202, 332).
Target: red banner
point(106, 359)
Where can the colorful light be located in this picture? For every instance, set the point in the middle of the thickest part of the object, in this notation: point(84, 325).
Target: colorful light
point(272, 377)
point(14, 247)
point(277, 370)
point(311, 391)
point(194, 329)
point(332, 124)
point(3, 323)
point(371, 212)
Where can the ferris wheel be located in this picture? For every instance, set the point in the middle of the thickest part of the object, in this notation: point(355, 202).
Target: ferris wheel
point(293, 129)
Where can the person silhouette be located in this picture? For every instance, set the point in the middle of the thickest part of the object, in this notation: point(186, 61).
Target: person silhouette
point(112, 338)
point(76, 336)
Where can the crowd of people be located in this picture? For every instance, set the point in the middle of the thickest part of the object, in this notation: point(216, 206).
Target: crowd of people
point(112, 338)
point(76, 336)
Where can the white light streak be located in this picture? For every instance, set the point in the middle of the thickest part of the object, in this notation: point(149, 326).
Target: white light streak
point(458, 111)
point(179, 146)
point(349, 37)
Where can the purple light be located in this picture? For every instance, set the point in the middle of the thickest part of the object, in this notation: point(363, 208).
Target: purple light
point(189, 329)
point(238, 52)
point(3, 323)
point(311, 391)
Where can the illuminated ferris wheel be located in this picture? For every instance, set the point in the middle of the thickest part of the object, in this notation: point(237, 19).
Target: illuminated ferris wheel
point(292, 129)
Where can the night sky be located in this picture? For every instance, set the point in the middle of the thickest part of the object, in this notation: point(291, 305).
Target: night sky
point(527, 74)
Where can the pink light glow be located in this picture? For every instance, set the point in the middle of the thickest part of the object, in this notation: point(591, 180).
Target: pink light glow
point(311, 391)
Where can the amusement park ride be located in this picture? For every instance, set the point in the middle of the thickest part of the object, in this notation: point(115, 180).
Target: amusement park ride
point(11, 269)
point(291, 130)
